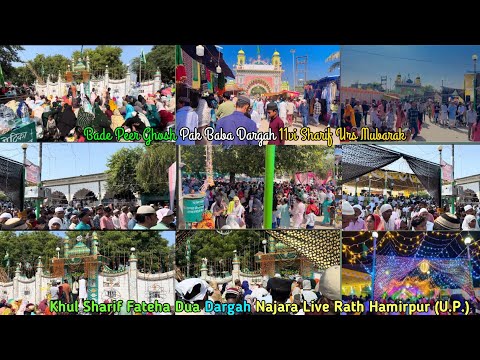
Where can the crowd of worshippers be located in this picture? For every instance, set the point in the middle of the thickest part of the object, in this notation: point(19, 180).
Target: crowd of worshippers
point(240, 205)
point(108, 217)
point(401, 213)
point(275, 290)
point(60, 119)
point(409, 116)
point(228, 112)
point(473, 305)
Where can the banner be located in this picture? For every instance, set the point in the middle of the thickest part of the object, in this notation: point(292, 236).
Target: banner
point(172, 180)
point(33, 172)
point(447, 171)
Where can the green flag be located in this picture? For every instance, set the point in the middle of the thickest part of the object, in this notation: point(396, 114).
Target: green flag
point(142, 57)
point(43, 70)
point(2, 80)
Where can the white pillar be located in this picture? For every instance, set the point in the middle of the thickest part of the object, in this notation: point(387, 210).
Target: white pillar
point(15, 282)
point(157, 82)
point(38, 281)
point(59, 85)
point(236, 269)
point(107, 78)
point(132, 278)
point(128, 80)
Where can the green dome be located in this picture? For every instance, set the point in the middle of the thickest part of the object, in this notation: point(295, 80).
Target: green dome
point(80, 249)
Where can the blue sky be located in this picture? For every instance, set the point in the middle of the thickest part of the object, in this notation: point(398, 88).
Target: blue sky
point(129, 51)
point(366, 63)
point(466, 157)
point(66, 159)
point(317, 67)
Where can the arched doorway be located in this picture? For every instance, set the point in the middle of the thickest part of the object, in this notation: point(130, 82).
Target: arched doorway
point(58, 198)
point(85, 197)
point(258, 90)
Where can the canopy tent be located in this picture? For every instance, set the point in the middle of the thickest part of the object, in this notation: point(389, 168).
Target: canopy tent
point(358, 160)
point(320, 83)
point(210, 58)
point(11, 180)
point(397, 181)
point(355, 282)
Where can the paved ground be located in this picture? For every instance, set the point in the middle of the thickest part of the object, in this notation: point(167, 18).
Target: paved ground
point(432, 132)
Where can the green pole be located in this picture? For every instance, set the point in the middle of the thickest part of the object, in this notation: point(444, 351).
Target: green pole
point(269, 179)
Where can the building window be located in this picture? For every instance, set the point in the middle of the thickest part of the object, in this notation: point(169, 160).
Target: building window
point(111, 293)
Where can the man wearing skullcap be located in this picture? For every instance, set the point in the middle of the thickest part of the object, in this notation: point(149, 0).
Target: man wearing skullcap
point(276, 123)
point(60, 213)
point(357, 223)
point(447, 221)
point(230, 124)
point(388, 221)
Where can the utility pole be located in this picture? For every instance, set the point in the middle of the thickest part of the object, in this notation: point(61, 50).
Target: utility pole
point(293, 66)
point(452, 205)
point(39, 201)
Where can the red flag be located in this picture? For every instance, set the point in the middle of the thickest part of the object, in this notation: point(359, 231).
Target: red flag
point(447, 171)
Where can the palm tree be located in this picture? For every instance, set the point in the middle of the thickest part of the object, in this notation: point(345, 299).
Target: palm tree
point(335, 57)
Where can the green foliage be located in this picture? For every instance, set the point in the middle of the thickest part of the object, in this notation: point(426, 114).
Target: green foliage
point(151, 249)
point(250, 160)
point(3, 196)
point(22, 75)
point(292, 159)
point(143, 169)
point(102, 56)
point(9, 54)
point(50, 65)
point(28, 246)
point(152, 169)
point(122, 169)
point(216, 247)
point(161, 57)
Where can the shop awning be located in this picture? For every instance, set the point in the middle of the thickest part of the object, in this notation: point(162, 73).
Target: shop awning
point(209, 59)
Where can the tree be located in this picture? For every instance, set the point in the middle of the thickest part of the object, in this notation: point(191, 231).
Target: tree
point(9, 54)
point(292, 159)
point(161, 57)
point(50, 65)
point(22, 75)
point(121, 173)
point(142, 169)
point(250, 160)
point(26, 247)
point(219, 248)
point(152, 169)
point(151, 249)
point(102, 56)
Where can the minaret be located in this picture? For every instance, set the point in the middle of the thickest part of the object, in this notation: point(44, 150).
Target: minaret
point(276, 60)
point(241, 58)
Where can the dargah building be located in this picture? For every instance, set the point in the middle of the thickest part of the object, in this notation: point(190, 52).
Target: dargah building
point(259, 76)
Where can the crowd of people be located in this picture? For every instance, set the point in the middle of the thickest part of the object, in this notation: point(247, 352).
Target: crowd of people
point(109, 217)
point(240, 205)
point(378, 213)
point(228, 112)
point(409, 116)
point(280, 290)
point(64, 118)
point(473, 305)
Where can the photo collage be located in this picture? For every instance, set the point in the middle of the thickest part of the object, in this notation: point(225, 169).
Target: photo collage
point(239, 180)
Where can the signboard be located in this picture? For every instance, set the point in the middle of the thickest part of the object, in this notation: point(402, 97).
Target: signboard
point(31, 192)
point(33, 172)
point(24, 134)
point(193, 208)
